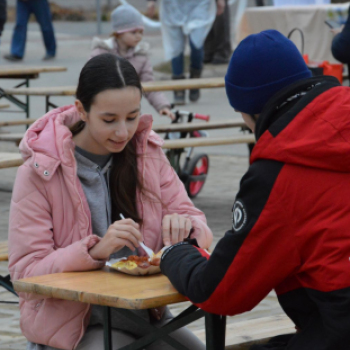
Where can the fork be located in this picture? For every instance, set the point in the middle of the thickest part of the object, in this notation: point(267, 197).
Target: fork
point(148, 250)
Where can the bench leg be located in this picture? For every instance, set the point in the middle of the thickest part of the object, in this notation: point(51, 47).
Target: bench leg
point(107, 332)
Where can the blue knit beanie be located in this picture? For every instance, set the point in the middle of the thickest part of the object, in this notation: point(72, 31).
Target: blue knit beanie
point(261, 65)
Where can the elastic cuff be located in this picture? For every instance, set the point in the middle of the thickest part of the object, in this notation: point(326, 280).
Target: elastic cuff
point(167, 251)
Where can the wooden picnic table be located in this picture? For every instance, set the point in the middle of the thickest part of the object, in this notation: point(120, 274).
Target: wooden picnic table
point(162, 85)
point(110, 288)
point(25, 73)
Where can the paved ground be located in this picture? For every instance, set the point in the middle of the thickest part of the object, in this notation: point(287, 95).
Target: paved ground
point(227, 163)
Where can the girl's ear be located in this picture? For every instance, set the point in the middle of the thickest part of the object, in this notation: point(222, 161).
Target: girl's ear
point(81, 110)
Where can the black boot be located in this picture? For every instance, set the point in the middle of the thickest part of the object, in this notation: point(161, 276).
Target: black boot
point(195, 93)
point(179, 95)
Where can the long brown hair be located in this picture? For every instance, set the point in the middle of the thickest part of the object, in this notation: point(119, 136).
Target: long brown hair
point(101, 73)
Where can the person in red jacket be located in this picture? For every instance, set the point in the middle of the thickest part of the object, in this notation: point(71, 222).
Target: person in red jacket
point(291, 217)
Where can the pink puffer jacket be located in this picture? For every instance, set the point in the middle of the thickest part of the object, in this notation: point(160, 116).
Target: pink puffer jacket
point(138, 57)
point(50, 221)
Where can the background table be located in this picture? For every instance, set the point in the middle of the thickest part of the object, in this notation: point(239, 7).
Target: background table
point(25, 73)
point(114, 289)
point(310, 19)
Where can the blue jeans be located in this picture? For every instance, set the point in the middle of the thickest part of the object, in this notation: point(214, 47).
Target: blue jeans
point(42, 13)
point(196, 59)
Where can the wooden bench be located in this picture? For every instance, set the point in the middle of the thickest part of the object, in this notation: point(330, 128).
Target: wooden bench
point(243, 334)
point(4, 256)
point(162, 85)
point(218, 124)
point(208, 141)
point(16, 122)
point(9, 160)
point(26, 73)
point(5, 281)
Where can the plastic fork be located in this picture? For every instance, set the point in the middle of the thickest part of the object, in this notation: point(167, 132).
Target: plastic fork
point(148, 250)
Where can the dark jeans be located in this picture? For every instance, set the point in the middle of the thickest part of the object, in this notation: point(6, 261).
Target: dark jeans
point(196, 59)
point(42, 13)
point(218, 41)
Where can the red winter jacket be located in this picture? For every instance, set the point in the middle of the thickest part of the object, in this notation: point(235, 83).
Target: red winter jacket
point(291, 222)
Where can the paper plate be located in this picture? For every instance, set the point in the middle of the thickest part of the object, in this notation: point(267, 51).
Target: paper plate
point(137, 271)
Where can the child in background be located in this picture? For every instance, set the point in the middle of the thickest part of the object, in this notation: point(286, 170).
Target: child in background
point(127, 26)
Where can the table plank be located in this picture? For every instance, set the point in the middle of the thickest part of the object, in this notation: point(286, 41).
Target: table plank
point(104, 287)
point(208, 141)
point(24, 70)
point(219, 124)
point(4, 251)
point(164, 85)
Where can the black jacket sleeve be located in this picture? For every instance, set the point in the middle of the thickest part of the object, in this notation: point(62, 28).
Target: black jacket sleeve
point(249, 260)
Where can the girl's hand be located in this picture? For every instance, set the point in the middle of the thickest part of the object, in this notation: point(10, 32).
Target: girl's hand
point(166, 111)
point(151, 8)
point(175, 228)
point(120, 234)
point(220, 7)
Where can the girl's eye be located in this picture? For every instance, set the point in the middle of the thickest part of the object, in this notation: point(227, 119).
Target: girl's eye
point(132, 118)
point(108, 121)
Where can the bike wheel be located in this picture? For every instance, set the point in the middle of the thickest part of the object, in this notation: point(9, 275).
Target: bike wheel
point(197, 170)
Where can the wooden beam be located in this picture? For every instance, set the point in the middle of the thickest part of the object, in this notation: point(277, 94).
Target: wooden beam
point(10, 160)
point(27, 70)
point(220, 124)
point(163, 85)
point(16, 122)
point(208, 141)
point(4, 254)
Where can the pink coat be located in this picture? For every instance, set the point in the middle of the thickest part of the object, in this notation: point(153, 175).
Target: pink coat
point(50, 221)
point(139, 59)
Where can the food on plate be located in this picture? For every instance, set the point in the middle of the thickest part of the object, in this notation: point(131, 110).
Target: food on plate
point(134, 261)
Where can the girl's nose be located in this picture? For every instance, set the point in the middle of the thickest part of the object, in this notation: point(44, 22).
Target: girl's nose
point(121, 132)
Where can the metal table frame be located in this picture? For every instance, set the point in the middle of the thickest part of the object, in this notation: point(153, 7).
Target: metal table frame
point(22, 105)
point(215, 326)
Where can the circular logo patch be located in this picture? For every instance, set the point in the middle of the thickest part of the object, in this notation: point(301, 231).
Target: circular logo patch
point(239, 216)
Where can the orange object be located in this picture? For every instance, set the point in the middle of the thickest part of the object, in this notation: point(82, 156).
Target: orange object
point(333, 69)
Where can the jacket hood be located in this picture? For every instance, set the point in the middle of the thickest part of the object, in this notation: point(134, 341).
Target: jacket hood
point(111, 45)
point(312, 131)
point(48, 142)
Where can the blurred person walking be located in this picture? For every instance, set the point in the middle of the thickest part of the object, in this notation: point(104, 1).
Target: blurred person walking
point(217, 46)
point(181, 19)
point(41, 10)
point(3, 15)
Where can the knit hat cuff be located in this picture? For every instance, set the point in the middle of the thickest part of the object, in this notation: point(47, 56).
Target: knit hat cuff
point(251, 100)
point(129, 29)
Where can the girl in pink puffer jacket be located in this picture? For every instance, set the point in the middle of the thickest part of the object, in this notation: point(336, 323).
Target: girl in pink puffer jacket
point(125, 40)
point(84, 165)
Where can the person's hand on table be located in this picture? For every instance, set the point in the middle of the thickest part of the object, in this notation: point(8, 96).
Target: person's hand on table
point(175, 228)
point(220, 7)
point(121, 233)
point(151, 8)
point(166, 111)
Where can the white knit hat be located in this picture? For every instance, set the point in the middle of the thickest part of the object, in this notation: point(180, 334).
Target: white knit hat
point(126, 18)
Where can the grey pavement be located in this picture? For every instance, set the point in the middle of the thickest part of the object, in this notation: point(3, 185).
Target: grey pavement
point(227, 163)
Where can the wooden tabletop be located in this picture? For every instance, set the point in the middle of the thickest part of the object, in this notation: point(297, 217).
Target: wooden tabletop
point(164, 85)
point(4, 255)
point(28, 70)
point(104, 287)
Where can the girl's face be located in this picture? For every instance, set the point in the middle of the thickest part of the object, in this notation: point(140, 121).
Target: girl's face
point(112, 120)
point(131, 39)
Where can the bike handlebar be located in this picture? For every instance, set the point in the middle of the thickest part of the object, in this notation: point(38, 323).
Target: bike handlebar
point(201, 116)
